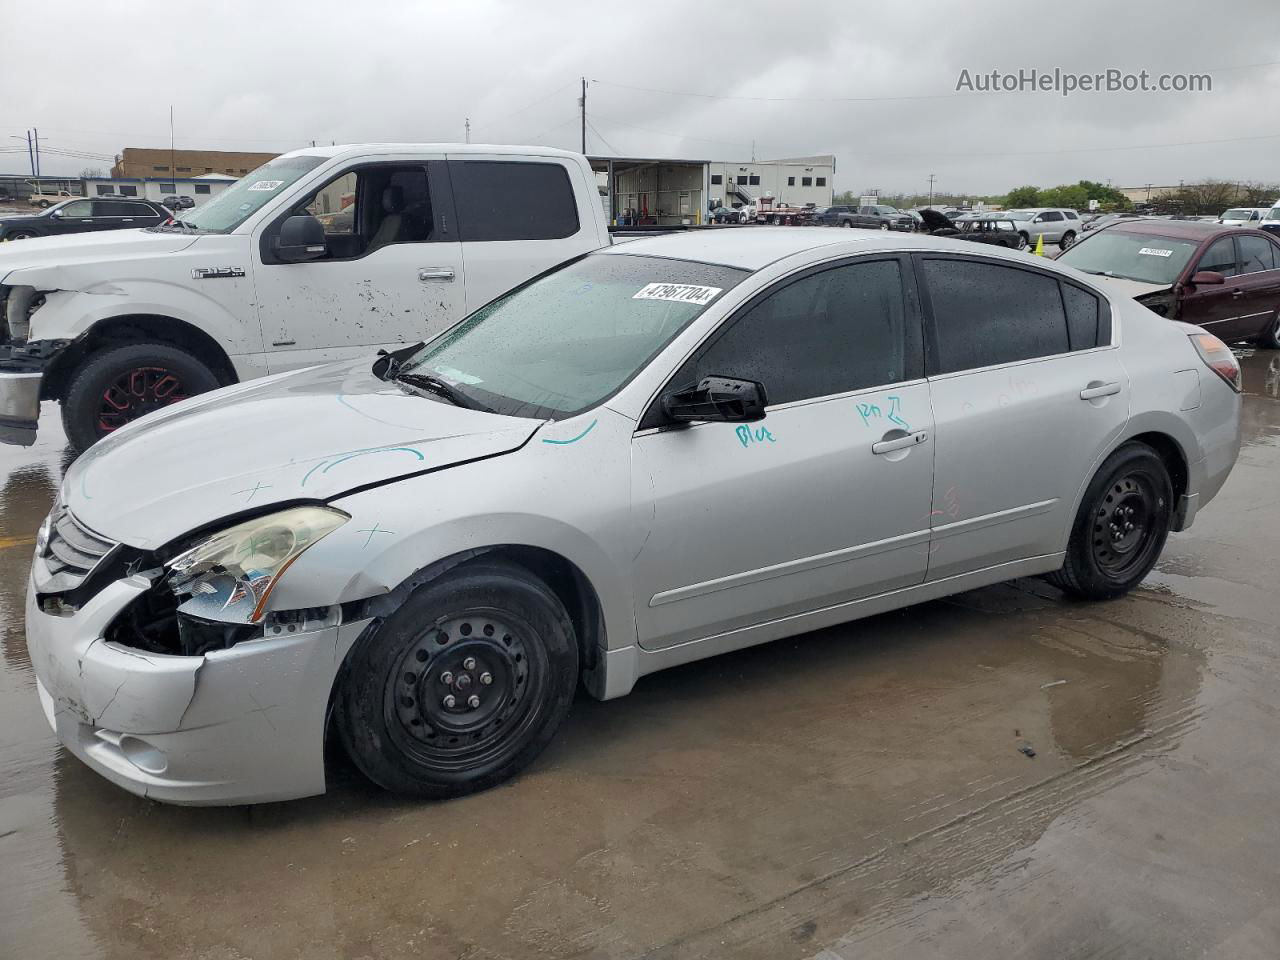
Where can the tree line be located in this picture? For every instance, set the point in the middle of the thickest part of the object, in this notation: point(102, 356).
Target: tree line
point(1192, 199)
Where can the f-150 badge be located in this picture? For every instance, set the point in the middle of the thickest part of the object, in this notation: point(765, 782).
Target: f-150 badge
point(213, 273)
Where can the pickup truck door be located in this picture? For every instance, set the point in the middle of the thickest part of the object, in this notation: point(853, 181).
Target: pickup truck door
point(519, 216)
point(392, 272)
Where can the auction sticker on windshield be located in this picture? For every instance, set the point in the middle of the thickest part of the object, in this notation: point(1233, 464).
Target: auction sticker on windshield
point(680, 292)
point(1155, 252)
point(266, 185)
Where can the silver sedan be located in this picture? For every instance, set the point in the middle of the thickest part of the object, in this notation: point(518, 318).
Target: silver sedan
point(666, 450)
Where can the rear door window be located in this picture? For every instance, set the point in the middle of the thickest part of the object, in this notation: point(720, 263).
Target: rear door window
point(512, 200)
point(985, 314)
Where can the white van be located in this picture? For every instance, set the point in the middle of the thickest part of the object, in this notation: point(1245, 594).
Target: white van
point(320, 254)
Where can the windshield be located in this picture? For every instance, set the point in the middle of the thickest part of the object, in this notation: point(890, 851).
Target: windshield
point(1022, 214)
point(572, 338)
point(1237, 215)
point(1132, 256)
point(234, 205)
point(1273, 214)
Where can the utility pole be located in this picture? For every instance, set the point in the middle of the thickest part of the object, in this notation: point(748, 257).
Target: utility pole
point(582, 103)
point(932, 177)
point(31, 154)
point(753, 151)
point(173, 170)
point(468, 140)
point(37, 137)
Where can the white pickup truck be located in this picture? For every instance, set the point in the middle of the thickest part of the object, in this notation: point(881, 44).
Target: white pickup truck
point(321, 254)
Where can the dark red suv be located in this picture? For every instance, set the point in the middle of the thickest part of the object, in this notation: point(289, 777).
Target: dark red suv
point(1226, 279)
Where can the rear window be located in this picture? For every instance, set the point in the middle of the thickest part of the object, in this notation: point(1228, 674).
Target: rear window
point(511, 200)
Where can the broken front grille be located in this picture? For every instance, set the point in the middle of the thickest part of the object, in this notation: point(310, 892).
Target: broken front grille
point(72, 553)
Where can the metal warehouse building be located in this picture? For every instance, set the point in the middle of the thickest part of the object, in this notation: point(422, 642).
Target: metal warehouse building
point(670, 192)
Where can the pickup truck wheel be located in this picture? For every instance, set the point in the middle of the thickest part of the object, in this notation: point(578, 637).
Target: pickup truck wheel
point(884, 226)
point(118, 385)
point(462, 686)
point(847, 223)
point(1121, 527)
point(43, 204)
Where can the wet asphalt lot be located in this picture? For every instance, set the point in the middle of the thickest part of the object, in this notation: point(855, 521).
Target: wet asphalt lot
point(859, 791)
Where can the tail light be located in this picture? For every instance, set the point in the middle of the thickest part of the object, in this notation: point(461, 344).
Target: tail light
point(1217, 356)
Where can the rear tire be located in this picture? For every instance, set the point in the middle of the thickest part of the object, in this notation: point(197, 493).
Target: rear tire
point(118, 385)
point(1121, 528)
point(1270, 338)
point(462, 686)
point(1068, 240)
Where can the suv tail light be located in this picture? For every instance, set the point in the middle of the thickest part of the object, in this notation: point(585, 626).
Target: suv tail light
point(1217, 356)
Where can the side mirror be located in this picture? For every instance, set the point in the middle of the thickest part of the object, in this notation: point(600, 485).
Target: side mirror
point(57, 214)
point(719, 399)
point(1207, 277)
point(301, 238)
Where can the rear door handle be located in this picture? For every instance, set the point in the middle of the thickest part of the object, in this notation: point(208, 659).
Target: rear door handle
point(1101, 390)
point(900, 443)
point(427, 274)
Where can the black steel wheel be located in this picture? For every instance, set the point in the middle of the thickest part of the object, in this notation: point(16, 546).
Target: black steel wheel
point(462, 686)
point(1121, 526)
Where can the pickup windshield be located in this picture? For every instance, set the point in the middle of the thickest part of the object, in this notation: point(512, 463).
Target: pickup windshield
point(570, 339)
point(234, 205)
point(1132, 256)
point(1238, 215)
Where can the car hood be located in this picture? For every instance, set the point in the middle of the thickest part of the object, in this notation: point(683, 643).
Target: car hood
point(26, 262)
point(1128, 288)
point(935, 220)
point(305, 436)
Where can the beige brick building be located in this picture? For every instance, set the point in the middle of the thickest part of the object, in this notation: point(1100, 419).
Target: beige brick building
point(144, 163)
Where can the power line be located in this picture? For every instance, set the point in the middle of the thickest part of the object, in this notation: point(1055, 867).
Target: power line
point(600, 136)
point(666, 133)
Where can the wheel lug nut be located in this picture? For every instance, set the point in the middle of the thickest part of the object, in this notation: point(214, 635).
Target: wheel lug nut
point(469, 663)
point(446, 677)
point(450, 702)
point(486, 678)
point(473, 701)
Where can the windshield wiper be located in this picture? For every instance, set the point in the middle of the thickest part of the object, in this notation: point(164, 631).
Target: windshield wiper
point(441, 388)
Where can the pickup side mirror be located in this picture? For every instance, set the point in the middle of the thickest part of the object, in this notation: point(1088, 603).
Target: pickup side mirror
point(1207, 277)
point(719, 399)
point(301, 238)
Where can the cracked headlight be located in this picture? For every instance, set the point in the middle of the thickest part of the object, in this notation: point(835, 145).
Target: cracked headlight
point(230, 575)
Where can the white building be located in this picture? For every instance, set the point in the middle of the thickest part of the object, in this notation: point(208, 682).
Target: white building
point(669, 192)
point(198, 189)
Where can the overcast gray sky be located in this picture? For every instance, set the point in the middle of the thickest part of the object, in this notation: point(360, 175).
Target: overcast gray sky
point(276, 74)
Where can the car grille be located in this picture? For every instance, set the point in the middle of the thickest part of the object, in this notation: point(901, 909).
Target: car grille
point(72, 553)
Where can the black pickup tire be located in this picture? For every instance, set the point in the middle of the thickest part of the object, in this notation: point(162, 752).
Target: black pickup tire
point(461, 687)
point(117, 385)
point(1121, 527)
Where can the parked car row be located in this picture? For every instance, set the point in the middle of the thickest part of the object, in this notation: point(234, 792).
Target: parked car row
point(84, 215)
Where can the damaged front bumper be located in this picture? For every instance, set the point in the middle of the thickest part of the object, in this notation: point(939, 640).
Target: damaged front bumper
point(240, 725)
point(22, 368)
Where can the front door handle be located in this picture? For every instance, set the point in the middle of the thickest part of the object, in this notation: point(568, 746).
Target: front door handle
point(1100, 390)
point(1237, 293)
point(900, 443)
point(427, 274)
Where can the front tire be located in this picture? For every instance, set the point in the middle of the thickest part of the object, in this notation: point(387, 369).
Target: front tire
point(1024, 241)
point(20, 235)
point(884, 226)
point(462, 686)
point(1121, 527)
point(118, 385)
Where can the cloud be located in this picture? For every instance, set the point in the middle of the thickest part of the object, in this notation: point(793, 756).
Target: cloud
point(275, 76)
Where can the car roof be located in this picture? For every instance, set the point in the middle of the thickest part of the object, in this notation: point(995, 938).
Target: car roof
point(754, 248)
point(1178, 229)
point(365, 149)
